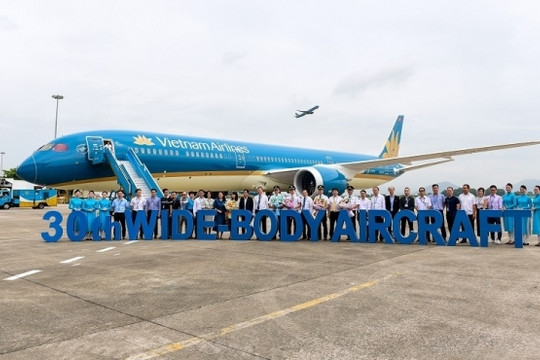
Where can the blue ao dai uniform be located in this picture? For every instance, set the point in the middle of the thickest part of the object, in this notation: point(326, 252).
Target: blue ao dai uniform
point(536, 215)
point(89, 206)
point(104, 207)
point(220, 216)
point(509, 202)
point(75, 204)
point(524, 202)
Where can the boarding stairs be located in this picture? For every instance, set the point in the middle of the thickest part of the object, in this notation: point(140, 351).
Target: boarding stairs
point(131, 173)
point(137, 180)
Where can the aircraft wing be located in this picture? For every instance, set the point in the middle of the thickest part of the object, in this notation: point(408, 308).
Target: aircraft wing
point(419, 166)
point(349, 169)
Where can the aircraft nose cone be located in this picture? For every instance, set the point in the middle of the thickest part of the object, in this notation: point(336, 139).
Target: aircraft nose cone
point(27, 170)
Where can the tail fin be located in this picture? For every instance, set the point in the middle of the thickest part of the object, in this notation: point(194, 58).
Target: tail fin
point(391, 148)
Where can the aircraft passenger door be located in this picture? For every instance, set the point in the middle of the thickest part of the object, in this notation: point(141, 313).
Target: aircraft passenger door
point(240, 160)
point(95, 149)
point(329, 160)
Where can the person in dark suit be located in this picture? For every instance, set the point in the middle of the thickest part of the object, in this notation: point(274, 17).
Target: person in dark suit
point(406, 202)
point(246, 203)
point(391, 203)
point(166, 203)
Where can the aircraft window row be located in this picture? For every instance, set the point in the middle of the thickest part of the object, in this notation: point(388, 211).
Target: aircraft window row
point(204, 154)
point(166, 152)
point(287, 160)
point(211, 155)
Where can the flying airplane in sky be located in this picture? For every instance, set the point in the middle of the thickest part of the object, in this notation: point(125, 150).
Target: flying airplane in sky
point(306, 112)
point(104, 159)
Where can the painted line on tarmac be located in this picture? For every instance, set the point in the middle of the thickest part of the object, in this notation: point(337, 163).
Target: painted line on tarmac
point(107, 249)
point(131, 242)
point(72, 260)
point(167, 349)
point(15, 277)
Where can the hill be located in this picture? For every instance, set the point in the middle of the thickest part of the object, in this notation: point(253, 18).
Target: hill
point(529, 183)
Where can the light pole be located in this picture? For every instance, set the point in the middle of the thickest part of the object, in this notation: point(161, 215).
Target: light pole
point(57, 97)
point(2, 164)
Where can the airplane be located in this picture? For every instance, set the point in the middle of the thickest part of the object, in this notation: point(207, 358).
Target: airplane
point(306, 112)
point(105, 159)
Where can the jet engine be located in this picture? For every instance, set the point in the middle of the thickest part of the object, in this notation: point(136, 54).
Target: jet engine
point(311, 177)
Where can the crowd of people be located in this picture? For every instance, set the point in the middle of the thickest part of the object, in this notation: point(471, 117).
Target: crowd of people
point(331, 205)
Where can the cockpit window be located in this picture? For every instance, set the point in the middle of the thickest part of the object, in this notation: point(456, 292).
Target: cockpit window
point(46, 147)
point(60, 147)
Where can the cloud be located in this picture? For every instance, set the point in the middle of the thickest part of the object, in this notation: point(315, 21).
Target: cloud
point(6, 24)
point(465, 76)
point(231, 57)
point(356, 84)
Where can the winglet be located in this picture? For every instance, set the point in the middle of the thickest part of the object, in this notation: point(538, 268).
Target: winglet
point(391, 147)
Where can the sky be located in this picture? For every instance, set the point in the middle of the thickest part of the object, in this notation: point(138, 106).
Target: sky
point(463, 73)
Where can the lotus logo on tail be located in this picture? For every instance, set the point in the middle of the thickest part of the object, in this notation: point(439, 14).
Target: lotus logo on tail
point(392, 146)
point(142, 140)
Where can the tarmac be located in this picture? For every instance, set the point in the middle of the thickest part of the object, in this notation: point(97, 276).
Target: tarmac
point(225, 299)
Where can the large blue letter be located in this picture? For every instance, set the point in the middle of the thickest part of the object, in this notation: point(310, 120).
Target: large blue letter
point(313, 222)
point(77, 221)
point(240, 219)
point(261, 216)
point(175, 224)
point(468, 232)
point(56, 225)
point(108, 225)
point(140, 221)
point(285, 214)
point(165, 224)
point(408, 214)
point(424, 227)
point(486, 227)
point(344, 219)
point(203, 223)
point(519, 216)
point(382, 227)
